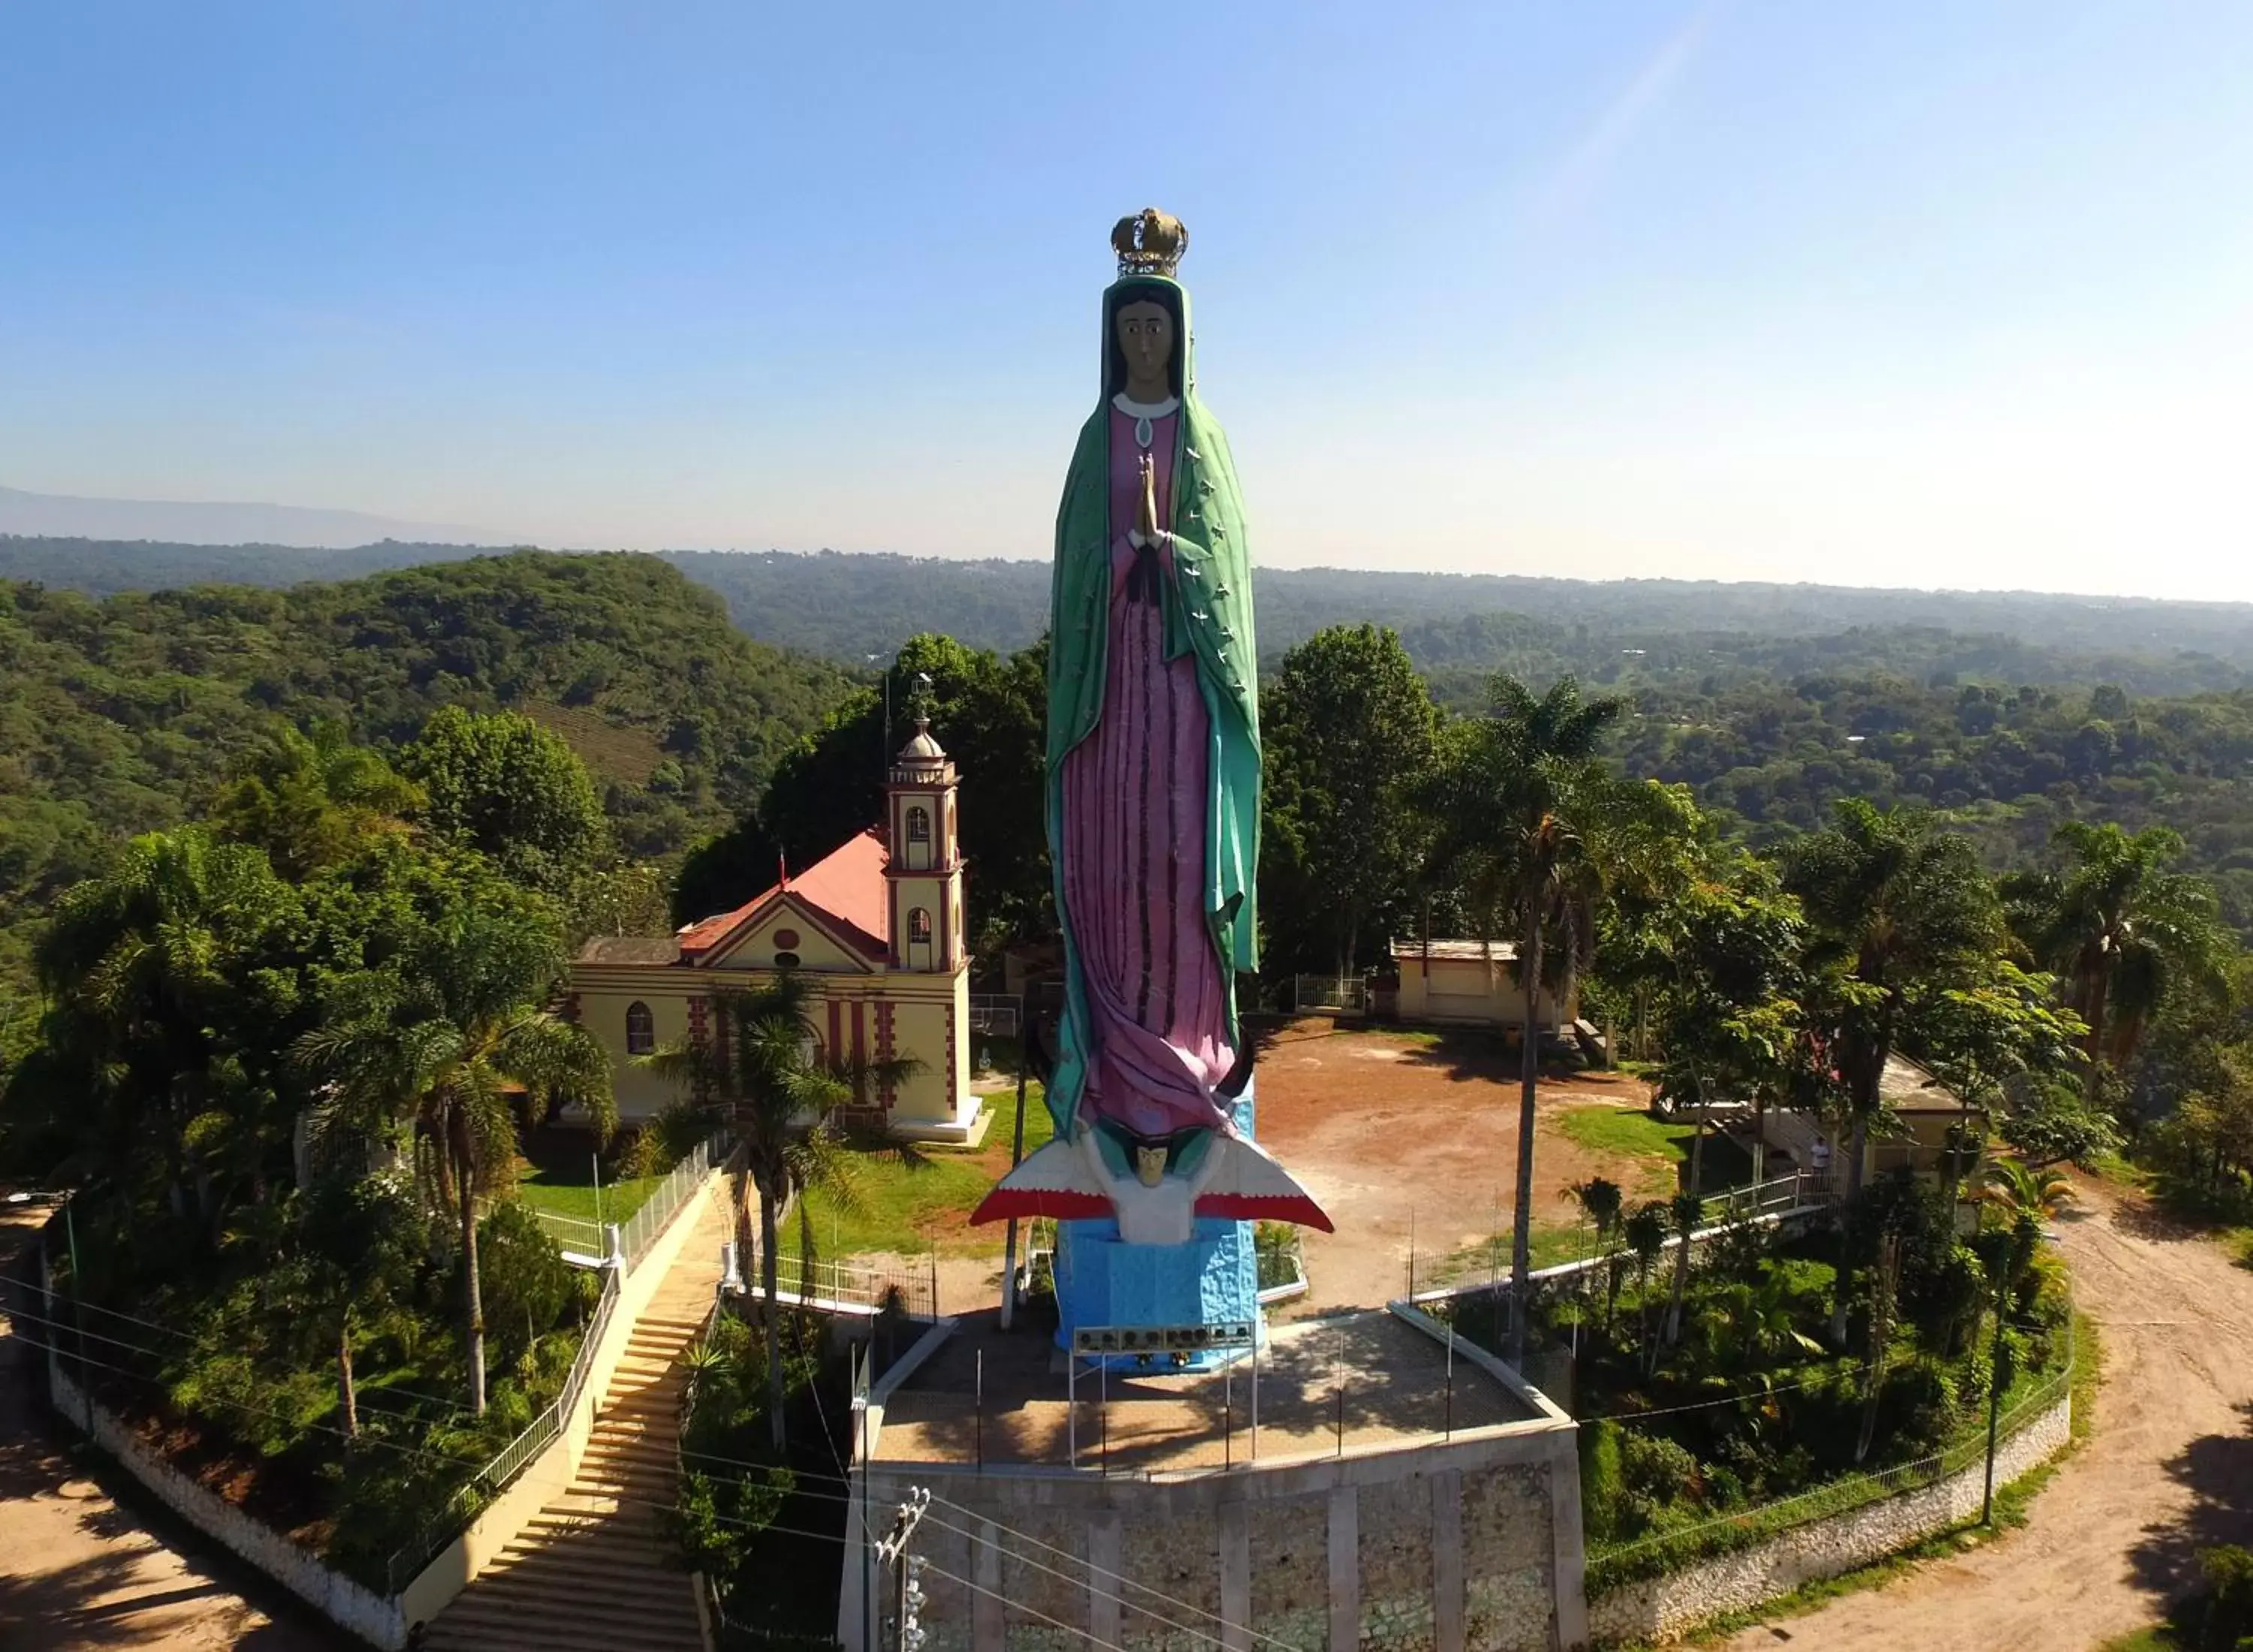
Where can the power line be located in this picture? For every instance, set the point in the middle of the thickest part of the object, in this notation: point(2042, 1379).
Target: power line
point(1126, 1605)
point(1030, 1612)
point(1082, 1564)
point(190, 1336)
point(1106, 1573)
point(63, 1328)
point(260, 1410)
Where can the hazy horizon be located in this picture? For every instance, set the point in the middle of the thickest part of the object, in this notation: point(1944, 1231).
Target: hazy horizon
point(1927, 297)
point(430, 533)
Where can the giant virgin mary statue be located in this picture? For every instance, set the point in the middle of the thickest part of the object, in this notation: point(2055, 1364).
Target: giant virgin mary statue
point(1152, 797)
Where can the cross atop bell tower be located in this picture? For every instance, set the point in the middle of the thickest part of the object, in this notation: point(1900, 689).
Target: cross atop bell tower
point(925, 870)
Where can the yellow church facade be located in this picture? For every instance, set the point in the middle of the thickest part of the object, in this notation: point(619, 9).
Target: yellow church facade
point(875, 928)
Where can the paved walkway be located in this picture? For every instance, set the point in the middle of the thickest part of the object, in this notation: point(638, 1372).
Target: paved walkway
point(80, 1573)
point(589, 1574)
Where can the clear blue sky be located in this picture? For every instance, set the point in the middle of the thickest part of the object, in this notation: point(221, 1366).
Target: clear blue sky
point(1921, 294)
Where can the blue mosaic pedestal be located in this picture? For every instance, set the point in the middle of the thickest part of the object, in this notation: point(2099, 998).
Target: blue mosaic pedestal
point(1214, 1279)
point(1100, 1280)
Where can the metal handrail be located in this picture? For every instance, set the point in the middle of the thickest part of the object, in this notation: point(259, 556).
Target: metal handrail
point(635, 1238)
point(490, 1481)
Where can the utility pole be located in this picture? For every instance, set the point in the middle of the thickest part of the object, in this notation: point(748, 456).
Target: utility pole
point(892, 1551)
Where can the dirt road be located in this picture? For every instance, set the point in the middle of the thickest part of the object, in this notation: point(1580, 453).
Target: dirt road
point(78, 1572)
point(2168, 1469)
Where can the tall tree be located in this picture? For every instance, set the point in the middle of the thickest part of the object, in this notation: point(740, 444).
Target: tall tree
point(1900, 910)
point(1350, 735)
point(501, 784)
point(764, 1073)
point(1727, 980)
point(167, 981)
point(2120, 930)
point(987, 710)
point(447, 1024)
point(1515, 812)
point(315, 801)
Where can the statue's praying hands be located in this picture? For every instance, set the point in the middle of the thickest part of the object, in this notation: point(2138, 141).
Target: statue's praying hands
point(1146, 512)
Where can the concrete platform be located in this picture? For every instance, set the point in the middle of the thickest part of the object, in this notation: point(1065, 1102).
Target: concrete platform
point(1357, 1382)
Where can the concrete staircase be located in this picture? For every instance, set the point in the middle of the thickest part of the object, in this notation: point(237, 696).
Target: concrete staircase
point(588, 1573)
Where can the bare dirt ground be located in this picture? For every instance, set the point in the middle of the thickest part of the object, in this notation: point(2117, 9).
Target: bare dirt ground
point(78, 1571)
point(2169, 1469)
point(1390, 1131)
point(1395, 1134)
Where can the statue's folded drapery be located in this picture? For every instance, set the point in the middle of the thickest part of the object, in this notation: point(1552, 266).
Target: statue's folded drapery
point(1154, 761)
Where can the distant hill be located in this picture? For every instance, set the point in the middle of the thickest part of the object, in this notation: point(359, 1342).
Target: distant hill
point(1458, 627)
point(120, 715)
point(216, 524)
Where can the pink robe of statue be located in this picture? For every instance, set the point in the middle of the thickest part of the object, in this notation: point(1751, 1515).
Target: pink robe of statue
point(1135, 818)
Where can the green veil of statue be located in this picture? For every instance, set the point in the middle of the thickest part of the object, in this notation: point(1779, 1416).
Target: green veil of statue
point(1207, 609)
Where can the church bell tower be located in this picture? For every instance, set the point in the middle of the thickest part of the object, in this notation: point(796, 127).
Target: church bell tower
point(923, 875)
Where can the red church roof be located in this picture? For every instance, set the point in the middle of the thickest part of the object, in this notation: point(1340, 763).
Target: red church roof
point(845, 888)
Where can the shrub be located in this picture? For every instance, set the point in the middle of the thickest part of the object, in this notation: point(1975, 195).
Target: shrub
point(528, 1288)
point(2225, 1618)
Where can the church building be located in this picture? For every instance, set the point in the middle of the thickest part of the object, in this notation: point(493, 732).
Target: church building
point(875, 928)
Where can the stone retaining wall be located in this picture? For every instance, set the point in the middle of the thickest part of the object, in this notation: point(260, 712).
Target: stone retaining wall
point(336, 1597)
point(1663, 1607)
point(1445, 1547)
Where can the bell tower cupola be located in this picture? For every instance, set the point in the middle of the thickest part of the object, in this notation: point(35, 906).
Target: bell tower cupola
point(924, 868)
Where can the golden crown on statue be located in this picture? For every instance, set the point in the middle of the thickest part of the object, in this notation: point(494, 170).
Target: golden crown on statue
point(1149, 242)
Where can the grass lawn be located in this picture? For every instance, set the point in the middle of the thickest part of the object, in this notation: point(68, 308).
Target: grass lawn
point(913, 1196)
point(1552, 1243)
point(1626, 1134)
point(557, 1176)
point(2158, 1640)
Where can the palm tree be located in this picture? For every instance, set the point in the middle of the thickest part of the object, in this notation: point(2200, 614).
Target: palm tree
point(2019, 1189)
point(2119, 929)
point(156, 1066)
point(1515, 814)
point(1645, 1232)
point(764, 1073)
point(442, 1051)
point(1599, 1202)
point(1686, 1208)
point(1898, 910)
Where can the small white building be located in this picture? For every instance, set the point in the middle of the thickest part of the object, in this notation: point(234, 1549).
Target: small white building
point(1468, 984)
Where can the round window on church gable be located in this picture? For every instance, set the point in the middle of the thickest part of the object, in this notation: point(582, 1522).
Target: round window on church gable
point(786, 960)
point(786, 939)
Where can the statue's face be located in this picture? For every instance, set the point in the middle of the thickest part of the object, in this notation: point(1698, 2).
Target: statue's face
point(1149, 1165)
point(1146, 338)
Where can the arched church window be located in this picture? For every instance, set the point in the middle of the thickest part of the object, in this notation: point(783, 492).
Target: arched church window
point(918, 824)
point(641, 1029)
point(919, 924)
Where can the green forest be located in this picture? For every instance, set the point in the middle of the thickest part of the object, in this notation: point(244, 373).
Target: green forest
point(848, 607)
point(292, 878)
point(124, 714)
